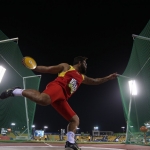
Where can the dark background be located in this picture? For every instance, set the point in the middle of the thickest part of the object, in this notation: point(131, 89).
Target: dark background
point(56, 31)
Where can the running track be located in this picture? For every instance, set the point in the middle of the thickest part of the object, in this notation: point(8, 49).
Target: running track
point(60, 146)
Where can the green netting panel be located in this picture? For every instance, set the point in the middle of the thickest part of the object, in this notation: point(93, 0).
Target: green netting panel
point(138, 69)
point(12, 110)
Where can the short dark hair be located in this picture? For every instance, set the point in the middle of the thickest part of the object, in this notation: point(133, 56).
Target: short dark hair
point(79, 58)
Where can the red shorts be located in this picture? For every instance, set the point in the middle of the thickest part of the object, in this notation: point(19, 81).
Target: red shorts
point(59, 101)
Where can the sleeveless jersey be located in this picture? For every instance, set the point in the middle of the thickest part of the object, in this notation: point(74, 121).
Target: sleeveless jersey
point(69, 80)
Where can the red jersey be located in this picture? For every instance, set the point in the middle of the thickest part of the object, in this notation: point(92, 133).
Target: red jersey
point(69, 80)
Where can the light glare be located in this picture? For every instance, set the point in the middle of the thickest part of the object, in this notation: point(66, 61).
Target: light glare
point(2, 71)
point(133, 88)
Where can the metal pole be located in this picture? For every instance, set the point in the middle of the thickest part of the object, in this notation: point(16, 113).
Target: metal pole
point(9, 40)
point(123, 76)
point(140, 37)
point(32, 76)
point(128, 118)
point(26, 108)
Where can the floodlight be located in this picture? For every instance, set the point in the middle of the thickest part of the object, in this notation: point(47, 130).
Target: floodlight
point(2, 71)
point(45, 127)
point(13, 124)
point(133, 88)
point(33, 126)
point(95, 128)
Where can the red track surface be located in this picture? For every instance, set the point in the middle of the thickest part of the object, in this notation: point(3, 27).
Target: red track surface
point(117, 146)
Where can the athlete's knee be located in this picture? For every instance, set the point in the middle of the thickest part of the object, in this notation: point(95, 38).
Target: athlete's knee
point(44, 99)
point(75, 119)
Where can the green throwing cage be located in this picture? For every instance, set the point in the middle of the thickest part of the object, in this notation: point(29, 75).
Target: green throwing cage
point(16, 113)
point(134, 86)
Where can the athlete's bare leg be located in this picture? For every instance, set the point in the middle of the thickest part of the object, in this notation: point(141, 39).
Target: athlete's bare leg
point(73, 124)
point(39, 98)
point(71, 130)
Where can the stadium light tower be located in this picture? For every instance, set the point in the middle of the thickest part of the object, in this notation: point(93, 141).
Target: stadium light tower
point(123, 128)
point(45, 127)
point(13, 124)
point(33, 130)
point(77, 129)
point(2, 71)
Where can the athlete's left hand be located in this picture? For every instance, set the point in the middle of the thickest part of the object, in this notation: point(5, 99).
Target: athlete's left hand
point(112, 76)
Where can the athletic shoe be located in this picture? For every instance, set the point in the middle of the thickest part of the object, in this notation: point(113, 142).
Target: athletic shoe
point(8, 93)
point(73, 146)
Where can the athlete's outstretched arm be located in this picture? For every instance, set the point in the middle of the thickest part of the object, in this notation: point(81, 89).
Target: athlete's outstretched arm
point(51, 69)
point(96, 81)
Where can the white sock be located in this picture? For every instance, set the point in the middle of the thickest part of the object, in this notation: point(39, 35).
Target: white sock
point(70, 137)
point(18, 92)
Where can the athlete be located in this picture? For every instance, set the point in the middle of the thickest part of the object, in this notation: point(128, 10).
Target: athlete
point(60, 90)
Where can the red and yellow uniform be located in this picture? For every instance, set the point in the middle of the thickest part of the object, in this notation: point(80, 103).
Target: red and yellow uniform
point(61, 89)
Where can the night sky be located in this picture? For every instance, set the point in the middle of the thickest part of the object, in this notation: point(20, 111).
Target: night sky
point(57, 31)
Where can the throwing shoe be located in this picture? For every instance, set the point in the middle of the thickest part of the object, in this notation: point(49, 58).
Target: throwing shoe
point(73, 146)
point(8, 93)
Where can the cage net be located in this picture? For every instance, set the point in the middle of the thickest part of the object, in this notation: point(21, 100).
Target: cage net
point(136, 104)
point(13, 112)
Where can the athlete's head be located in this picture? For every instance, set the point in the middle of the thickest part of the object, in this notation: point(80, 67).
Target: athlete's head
point(81, 61)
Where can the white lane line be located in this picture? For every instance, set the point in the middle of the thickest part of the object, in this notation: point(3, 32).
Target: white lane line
point(99, 148)
point(102, 148)
point(48, 144)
